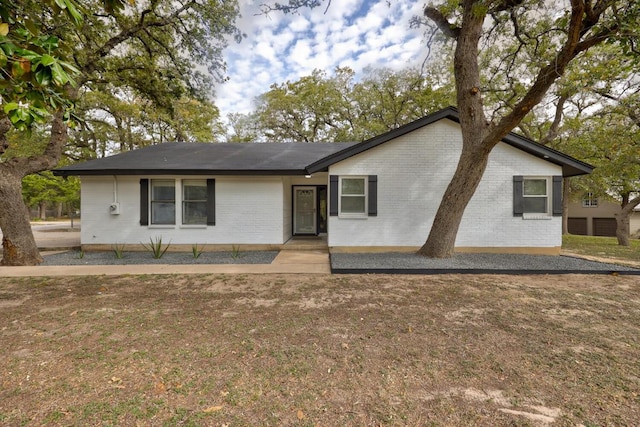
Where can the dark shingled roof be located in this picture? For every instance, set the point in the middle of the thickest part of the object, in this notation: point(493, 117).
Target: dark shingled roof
point(209, 159)
point(280, 158)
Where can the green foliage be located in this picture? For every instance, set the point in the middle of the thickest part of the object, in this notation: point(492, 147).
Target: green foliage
point(236, 252)
point(44, 187)
point(126, 58)
point(36, 64)
point(155, 247)
point(324, 108)
point(118, 250)
point(196, 251)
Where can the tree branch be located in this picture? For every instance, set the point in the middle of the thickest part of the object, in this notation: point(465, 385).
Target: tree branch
point(441, 22)
point(555, 125)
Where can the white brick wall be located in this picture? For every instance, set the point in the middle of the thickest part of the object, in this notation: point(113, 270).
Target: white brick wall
point(248, 211)
point(413, 172)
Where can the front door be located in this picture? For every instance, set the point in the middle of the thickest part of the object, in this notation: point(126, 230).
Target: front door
point(304, 210)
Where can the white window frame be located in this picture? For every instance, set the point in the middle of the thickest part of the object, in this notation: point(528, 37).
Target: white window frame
point(183, 201)
point(152, 219)
point(548, 191)
point(363, 214)
point(588, 201)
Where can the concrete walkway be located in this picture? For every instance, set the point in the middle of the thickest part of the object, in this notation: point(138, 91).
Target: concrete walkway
point(51, 237)
point(287, 262)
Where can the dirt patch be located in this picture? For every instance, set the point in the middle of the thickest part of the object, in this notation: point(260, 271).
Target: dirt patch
point(216, 350)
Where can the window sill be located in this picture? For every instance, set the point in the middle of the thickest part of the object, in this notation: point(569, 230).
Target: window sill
point(353, 216)
point(536, 216)
point(162, 226)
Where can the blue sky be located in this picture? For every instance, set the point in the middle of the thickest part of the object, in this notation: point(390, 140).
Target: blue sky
point(279, 47)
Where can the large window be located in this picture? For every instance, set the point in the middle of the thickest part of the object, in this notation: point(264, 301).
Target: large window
point(353, 196)
point(535, 195)
point(194, 202)
point(163, 201)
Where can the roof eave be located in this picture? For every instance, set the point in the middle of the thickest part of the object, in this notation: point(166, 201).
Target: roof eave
point(570, 166)
point(323, 164)
point(165, 172)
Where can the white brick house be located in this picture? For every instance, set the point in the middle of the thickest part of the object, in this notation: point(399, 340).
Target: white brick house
point(381, 194)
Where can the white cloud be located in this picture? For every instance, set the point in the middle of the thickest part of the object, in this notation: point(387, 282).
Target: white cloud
point(279, 47)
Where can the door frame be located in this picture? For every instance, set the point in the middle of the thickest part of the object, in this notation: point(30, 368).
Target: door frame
point(318, 208)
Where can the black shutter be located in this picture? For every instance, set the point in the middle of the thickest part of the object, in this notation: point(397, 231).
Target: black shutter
point(144, 202)
point(211, 202)
point(557, 195)
point(518, 197)
point(333, 195)
point(373, 195)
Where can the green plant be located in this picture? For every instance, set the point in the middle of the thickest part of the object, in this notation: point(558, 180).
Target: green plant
point(196, 251)
point(236, 252)
point(118, 250)
point(80, 254)
point(155, 247)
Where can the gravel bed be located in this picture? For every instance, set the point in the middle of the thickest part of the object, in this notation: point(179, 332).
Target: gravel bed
point(467, 263)
point(131, 258)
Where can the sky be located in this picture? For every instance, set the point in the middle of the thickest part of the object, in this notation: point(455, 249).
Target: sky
point(285, 47)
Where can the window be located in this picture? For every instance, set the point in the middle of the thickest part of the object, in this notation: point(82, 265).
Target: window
point(194, 202)
point(589, 201)
point(353, 196)
point(535, 195)
point(158, 200)
point(163, 201)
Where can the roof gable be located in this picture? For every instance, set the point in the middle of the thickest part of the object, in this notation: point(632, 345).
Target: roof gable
point(570, 166)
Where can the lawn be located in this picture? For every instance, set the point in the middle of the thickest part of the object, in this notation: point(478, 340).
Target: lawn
point(606, 247)
point(236, 350)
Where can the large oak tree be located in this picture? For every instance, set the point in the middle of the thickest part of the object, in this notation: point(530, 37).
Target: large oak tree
point(55, 52)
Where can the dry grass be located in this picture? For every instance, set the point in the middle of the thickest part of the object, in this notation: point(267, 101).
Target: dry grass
point(320, 350)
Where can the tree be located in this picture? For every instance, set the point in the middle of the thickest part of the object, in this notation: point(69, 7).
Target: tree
point(610, 140)
point(323, 108)
point(564, 36)
point(547, 38)
point(43, 188)
point(58, 52)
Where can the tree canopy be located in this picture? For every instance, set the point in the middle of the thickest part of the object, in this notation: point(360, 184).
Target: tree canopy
point(158, 56)
point(342, 107)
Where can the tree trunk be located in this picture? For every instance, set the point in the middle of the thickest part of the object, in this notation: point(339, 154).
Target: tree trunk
point(18, 245)
point(623, 232)
point(442, 237)
point(475, 154)
point(623, 219)
point(42, 210)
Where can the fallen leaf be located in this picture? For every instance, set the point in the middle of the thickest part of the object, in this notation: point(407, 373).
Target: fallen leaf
point(300, 414)
point(213, 409)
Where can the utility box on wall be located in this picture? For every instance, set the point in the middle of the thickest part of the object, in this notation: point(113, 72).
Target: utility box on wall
point(114, 208)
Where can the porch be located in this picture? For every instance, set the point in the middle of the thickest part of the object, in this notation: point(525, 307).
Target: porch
point(307, 243)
